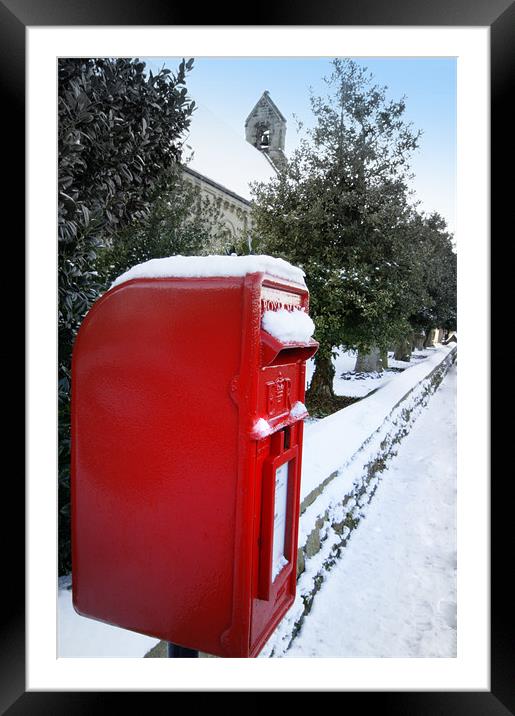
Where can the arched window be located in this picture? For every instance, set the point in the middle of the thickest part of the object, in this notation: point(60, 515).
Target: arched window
point(262, 136)
point(264, 141)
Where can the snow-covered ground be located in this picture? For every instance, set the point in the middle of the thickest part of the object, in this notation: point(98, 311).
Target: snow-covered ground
point(393, 593)
point(346, 382)
point(431, 464)
point(81, 637)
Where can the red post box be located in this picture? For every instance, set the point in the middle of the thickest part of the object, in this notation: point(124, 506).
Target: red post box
point(186, 450)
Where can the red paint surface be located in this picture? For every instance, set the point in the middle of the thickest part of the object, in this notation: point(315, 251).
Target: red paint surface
point(168, 508)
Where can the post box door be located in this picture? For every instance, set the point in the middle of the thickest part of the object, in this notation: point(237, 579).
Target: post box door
point(276, 512)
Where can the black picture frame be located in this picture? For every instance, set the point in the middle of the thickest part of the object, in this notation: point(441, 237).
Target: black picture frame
point(499, 15)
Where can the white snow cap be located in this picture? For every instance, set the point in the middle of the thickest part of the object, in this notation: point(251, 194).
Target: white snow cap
point(298, 409)
point(262, 428)
point(203, 266)
point(288, 326)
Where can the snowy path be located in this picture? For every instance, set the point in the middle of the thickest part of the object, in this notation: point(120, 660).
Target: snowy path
point(393, 594)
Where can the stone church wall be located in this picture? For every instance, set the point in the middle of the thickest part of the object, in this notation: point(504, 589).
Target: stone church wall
point(234, 209)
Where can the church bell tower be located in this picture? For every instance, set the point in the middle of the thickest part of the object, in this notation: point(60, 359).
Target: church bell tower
point(265, 129)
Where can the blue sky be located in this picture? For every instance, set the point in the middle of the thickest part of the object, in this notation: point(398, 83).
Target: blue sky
point(229, 88)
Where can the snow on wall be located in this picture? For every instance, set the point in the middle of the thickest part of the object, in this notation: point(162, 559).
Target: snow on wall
point(288, 326)
point(205, 266)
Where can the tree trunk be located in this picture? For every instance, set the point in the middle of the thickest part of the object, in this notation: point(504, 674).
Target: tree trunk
point(430, 338)
point(419, 341)
point(384, 359)
point(369, 362)
point(403, 350)
point(321, 385)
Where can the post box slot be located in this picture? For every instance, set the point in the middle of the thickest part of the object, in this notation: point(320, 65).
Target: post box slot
point(274, 352)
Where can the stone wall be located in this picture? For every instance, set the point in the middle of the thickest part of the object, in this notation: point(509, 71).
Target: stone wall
point(235, 210)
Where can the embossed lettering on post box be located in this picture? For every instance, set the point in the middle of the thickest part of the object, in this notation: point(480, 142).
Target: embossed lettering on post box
point(278, 396)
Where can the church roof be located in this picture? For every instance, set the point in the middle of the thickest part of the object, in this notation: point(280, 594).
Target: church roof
point(222, 155)
point(271, 104)
point(216, 185)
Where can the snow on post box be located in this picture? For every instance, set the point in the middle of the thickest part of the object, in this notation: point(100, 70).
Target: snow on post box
point(188, 383)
